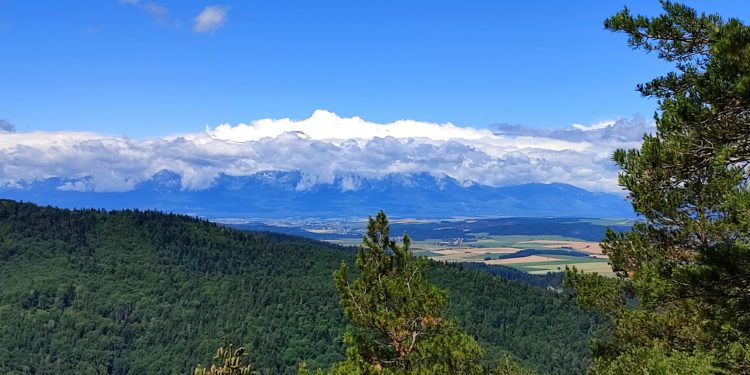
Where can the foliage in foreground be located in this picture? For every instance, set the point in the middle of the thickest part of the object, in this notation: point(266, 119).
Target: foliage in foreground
point(398, 320)
point(682, 300)
point(399, 327)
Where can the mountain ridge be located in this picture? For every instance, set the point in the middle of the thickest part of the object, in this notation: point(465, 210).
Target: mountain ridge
point(276, 194)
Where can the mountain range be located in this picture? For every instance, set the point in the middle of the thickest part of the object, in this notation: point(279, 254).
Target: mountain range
point(280, 194)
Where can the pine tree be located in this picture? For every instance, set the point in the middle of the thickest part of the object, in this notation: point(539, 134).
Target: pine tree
point(397, 315)
point(681, 302)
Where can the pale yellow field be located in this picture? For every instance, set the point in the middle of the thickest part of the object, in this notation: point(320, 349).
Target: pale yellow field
point(586, 247)
point(493, 250)
point(448, 252)
point(422, 246)
point(601, 268)
point(461, 253)
point(477, 250)
point(321, 231)
point(460, 256)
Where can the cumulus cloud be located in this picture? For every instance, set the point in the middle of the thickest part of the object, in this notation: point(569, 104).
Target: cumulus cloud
point(6, 126)
point(324, 125)
point(211, 18)
point(323, 147)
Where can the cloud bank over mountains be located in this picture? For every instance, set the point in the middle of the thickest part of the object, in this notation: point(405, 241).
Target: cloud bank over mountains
point(322, 147)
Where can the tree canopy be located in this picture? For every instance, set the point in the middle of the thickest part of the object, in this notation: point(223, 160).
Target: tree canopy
point(87, 291)
point(398, 320)
point(681, 303)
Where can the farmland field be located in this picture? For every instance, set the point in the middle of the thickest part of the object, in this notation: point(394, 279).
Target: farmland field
point(534, 245)
point(546, 253)
point(500, 250)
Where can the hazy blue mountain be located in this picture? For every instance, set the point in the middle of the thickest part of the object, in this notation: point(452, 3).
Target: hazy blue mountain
point(276, 194)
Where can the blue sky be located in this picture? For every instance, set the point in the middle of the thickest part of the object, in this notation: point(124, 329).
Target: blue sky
point(139, 68)
point(105, 94)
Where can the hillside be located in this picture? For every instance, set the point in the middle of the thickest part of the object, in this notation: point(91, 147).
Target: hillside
point(145, 292)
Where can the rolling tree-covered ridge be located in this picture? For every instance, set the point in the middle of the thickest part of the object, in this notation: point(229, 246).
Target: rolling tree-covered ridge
point(90, 291)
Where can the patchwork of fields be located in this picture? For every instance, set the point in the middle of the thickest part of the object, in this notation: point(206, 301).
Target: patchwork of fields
point(533, 245)
point(533, 254)
point(504, 250)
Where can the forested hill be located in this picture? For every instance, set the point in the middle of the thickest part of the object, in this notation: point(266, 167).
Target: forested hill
point(151, 293)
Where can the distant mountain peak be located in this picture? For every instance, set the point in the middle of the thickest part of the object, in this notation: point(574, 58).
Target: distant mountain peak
point(293, 193)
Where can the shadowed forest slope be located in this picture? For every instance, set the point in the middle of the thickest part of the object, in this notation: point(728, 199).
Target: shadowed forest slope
point(146, 292)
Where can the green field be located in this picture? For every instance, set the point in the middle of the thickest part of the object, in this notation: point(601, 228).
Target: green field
point(585, 264)
point(515, 240)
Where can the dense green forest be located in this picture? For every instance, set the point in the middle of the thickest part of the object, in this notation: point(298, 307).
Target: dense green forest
point(550, 279)
point(145, 292)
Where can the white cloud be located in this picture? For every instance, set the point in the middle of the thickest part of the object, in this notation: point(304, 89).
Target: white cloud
point(324, 125)
point(323, 147)
point(73, 186)
point(597, 126)
point(211, 18)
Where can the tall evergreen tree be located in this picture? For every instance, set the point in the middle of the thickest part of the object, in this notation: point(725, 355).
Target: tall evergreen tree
point(681, 303)
point(397, 314)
